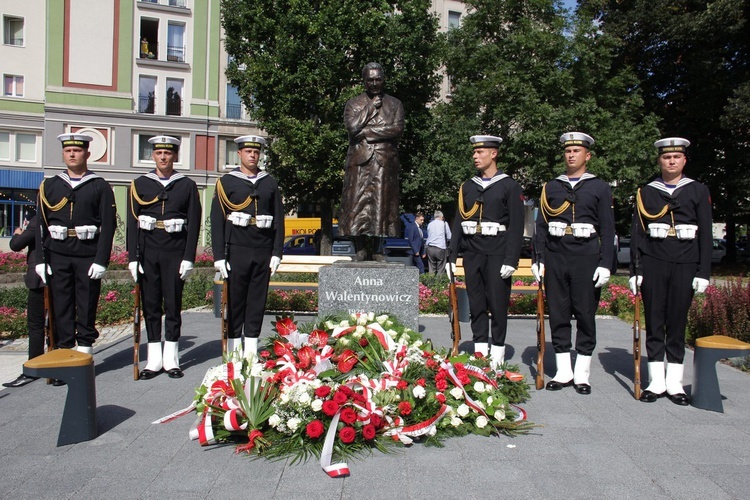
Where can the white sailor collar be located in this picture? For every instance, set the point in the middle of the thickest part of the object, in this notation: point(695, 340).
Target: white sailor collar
point(238, 173)
point(487, 183)
point(584, 177)
point(164, 182)
point(88, 176)
point(659, 184)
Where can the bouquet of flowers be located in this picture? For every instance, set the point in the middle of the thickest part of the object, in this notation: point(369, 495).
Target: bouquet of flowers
point(345, 385)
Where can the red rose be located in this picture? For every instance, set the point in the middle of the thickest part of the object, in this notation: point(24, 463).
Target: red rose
point(368, 432)
point(441, 385)
point(440, 398)
point(441, 374)
point(348, 415)
point(346, 390)
point(421, 382)
point(330, 408)
point(347, 435)
point(404, 408)
point(459, 366)
point(323, 391)
point(264, 353)
point(340, 398)
point(402, 385)
point(315, 429)
point(363, 342)
point(376, 420)
point(270, 364)
point(358, 398)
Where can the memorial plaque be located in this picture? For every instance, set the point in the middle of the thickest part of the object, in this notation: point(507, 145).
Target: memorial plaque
point(379, 287)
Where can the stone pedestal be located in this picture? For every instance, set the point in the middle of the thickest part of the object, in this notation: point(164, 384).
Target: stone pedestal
point(379, 287)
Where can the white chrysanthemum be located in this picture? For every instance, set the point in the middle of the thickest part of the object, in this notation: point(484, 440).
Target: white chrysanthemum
point(382, 318)
point(463, 410)
point(317, 405)
point(274, 420)
point(457, 393)
point(481, 421)
point(455, 421)
point(500, 415)
point(419, 392)
point(293, 423)
point(479, 386)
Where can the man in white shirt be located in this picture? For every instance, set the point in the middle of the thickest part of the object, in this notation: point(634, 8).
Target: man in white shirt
point(438, 236)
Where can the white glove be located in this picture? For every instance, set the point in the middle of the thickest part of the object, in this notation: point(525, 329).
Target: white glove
point(538, 271)
point(96, 272)
point(223, 267)
point(39, 268)
point(135, 268)
point(506, 271)
point(450, 269)
point(186, 267)
point(601, 277)
point(274, 265)
point(700, 285)
point(634, 283)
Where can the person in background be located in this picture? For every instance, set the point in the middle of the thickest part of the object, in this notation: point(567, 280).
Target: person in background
point(26, 238)
point(413, 234)
point(438, 238)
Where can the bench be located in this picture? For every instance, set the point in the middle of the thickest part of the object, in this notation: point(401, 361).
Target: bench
point(303, 264)
point(709, 350)
point(76, 369)
point(522, 271)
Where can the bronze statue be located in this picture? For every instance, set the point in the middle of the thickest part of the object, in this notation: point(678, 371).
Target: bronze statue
point(375, 122)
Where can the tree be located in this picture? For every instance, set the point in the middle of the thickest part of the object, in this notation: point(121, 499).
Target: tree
point(297, 62)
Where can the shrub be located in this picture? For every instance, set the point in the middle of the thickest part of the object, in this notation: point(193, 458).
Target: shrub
point(15, 297)
point(723, 310)
point(12, 262)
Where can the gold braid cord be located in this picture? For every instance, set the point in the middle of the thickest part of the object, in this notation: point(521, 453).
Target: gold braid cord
point(52, 208)
point(134, 198)
point(224, 201)
point(643, 213)
point(467, 214)
point(554, 212)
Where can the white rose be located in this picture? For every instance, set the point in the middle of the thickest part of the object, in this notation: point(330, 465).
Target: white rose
point(457, 393)
point(344, 323)
point(500, 415)
point(479, 386)
point(382, 318)
point(481, 421)
point(490, 400)
point(370, 316)
point(274, 420)
point(284, 398)
point(330, 325)
point(304, 399)
point(455, 421)
point(316, 405)
point(359, 331)
point(362, 320)
point(389, 323)
point(463, 410)
point(293, 423)
point(344, 341)
point(419, 392)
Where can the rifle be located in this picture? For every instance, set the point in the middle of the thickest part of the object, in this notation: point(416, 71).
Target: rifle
point(637, 345)
point(136, 327)
point(453, 311)
point(224, 320)
point(540, 336)
point(49, 315)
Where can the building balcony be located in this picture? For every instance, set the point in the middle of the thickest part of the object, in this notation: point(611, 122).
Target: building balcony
point(146, 104)
point(149, 50)
point(234, 111)
point(176, 53)
point(174, 107)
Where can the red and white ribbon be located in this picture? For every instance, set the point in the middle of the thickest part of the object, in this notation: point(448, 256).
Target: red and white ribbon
point(333, 470)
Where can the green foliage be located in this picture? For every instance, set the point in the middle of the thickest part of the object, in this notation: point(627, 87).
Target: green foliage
point(15, 297)
point(723, 310)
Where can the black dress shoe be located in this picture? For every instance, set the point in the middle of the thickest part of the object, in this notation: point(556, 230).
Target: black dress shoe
point(58, 383)
point(679, 399)
point(20, 381)
point(651, 397)
point(583, 388)
point(175, 373)
point(554, 385)
point(147, 374)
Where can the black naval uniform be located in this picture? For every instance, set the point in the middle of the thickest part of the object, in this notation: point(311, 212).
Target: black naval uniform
point(159, 252)
point(569, 262)
point(75, 296)
point(35, 302)
point(247, 250)
point(499, 200)
point(669, 265)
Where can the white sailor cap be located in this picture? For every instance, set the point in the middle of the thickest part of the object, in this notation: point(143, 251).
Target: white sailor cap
point(672, 145)
point(165, 142)
point(485, 141)
point(250, 141)
point(576, 139)
point(79, 140)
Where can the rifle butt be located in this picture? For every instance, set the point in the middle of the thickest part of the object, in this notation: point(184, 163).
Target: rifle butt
point(136, 329)
point(540, 339)
point(637, 348)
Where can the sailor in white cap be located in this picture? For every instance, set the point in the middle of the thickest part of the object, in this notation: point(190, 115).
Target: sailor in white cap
point(574, 248)
point(77, 221)
point(247, 235)
point(163, 226)
point(671, 245)
point(488, 229)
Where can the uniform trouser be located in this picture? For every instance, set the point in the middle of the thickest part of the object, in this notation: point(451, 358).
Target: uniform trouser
point(436, 258)
point(571, 291)
point(487, 291)
point(161, 284)
point(75, 297)
point(248, 290)
point(35, 321)
point(667, 291)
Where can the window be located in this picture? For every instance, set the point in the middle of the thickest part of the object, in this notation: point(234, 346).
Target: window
point(143, 158)
point(19, 147)
point(231, 159)
point(454, 19)
point(13, 30)
point(234, 105)
point(146, 94)
point(13, 85)
point(148, 42)
point(176, 42)
point(144, 148)
point(26, 147)
point(5, 146)
point(174, 97)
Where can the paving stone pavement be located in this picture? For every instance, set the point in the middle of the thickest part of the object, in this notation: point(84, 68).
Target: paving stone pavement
point(604, 446)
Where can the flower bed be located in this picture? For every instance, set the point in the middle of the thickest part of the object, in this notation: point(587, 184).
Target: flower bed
point(349, 385)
